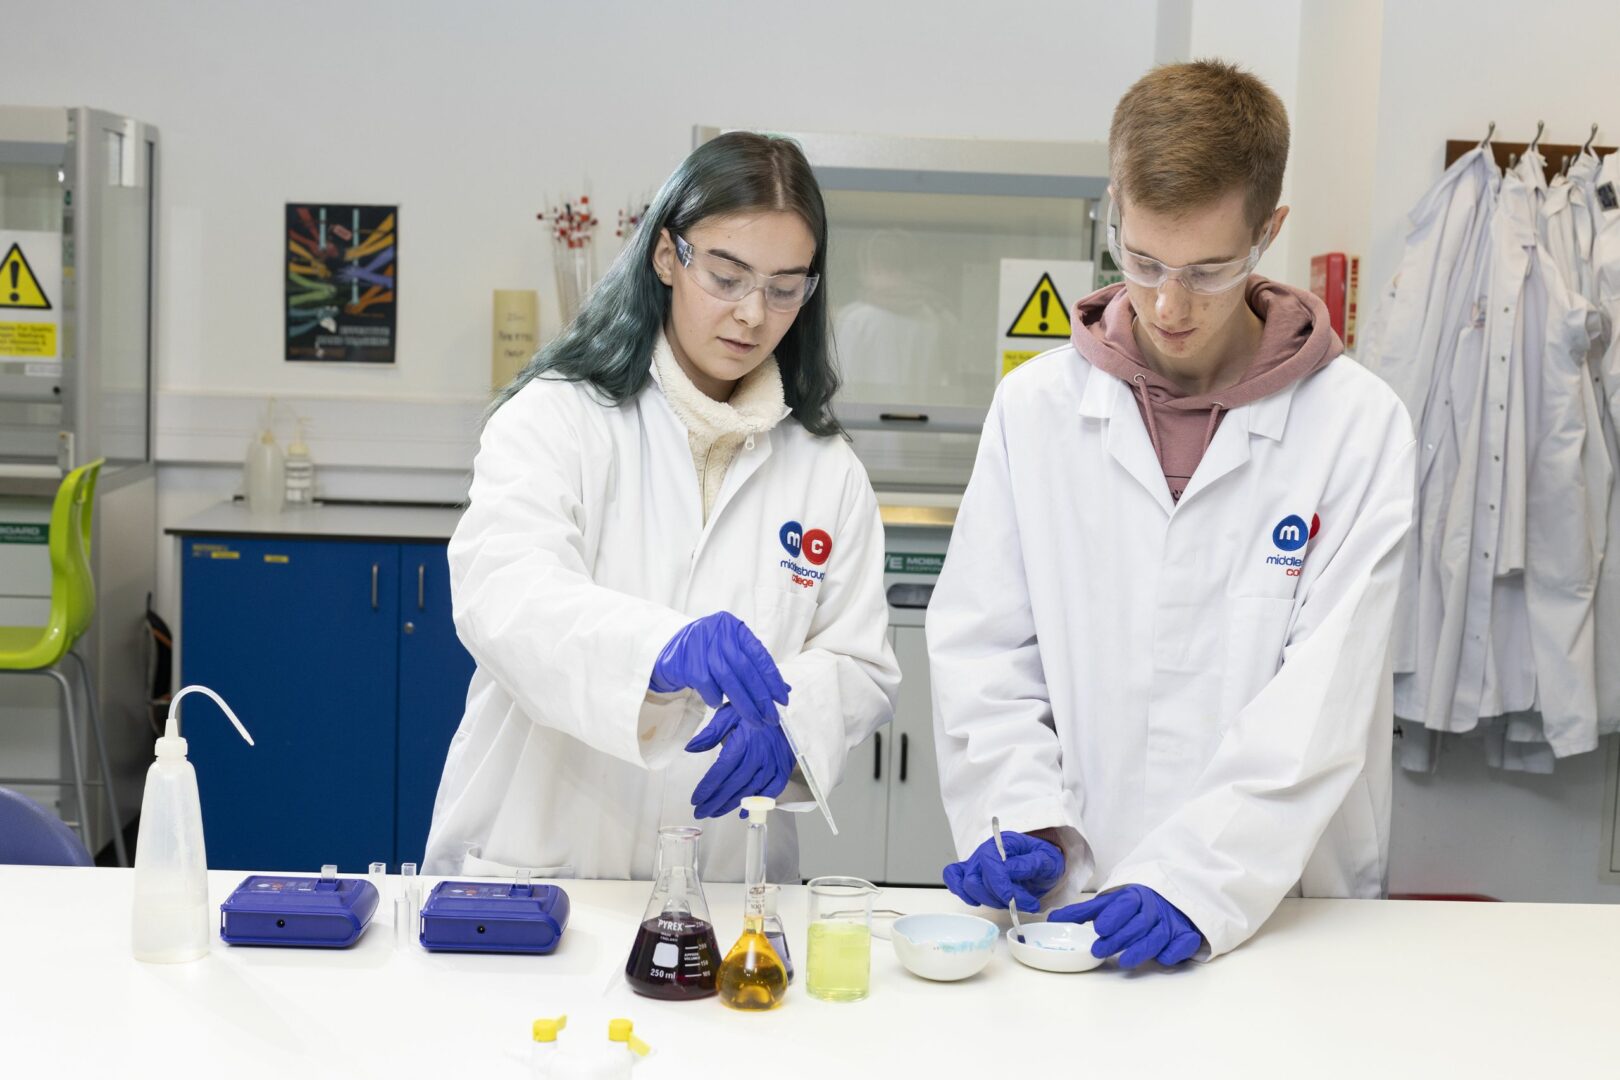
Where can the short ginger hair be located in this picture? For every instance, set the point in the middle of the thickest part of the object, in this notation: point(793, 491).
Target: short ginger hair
point(1185, 135)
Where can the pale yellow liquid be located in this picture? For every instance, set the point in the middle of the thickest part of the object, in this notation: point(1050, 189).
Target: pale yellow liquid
point(838, 965)
point(752, 976)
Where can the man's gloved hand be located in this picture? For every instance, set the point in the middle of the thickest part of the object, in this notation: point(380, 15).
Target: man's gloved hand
point(720, 658)
point(755, 760)
point(1137, 921)
point(1033, 866)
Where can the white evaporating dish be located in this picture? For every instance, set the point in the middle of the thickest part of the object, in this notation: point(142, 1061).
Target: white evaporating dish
point(1054, 946)
point(944, 947)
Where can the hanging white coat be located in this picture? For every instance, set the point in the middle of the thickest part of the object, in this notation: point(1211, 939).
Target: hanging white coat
point(1197, 693)
point(1605, 290)
point(582, 552)
point(1420, 341)
point(1512, 479)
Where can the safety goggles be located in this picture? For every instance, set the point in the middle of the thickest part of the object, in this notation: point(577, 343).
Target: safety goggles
point(726, 280)
point(1207, 278)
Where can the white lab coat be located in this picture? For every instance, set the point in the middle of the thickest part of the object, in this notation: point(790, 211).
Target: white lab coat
point(1417, 344)
point(1603, 202)
point(582, 552)
point(1149, 675)
point(1570, 472)
point(1510, 530)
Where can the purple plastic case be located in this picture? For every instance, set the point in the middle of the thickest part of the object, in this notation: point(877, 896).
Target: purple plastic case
point(301, 912)
point(502, 917)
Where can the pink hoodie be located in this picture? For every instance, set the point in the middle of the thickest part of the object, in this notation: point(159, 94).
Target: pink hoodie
point(1297, 340)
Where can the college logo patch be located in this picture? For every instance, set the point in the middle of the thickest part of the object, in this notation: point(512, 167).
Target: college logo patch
point(814, 546)
point(1290, 535)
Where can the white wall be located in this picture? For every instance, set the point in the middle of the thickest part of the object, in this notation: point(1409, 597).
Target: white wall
point(1335, 132)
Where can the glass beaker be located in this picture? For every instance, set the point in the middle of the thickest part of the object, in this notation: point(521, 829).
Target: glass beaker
point(838, 963)
point(675, 956)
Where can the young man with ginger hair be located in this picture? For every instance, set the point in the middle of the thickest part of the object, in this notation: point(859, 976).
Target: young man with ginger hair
point(1160, 641)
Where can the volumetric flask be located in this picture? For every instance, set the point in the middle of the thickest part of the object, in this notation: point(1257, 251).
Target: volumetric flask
point(838, 959)
point(675, 955)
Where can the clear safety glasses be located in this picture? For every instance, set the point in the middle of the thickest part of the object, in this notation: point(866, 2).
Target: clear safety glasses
point(726, 280)
point(1204, 278)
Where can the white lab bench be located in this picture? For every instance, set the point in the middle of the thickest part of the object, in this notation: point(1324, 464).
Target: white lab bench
point(1329, 988)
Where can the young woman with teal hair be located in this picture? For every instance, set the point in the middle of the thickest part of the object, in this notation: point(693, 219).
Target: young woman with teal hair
point(671, 559)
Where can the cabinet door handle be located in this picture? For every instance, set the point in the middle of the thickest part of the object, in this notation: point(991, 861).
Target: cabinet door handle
point(905, 750)
point(877, 758)
point(421, 587)
point(373, 586)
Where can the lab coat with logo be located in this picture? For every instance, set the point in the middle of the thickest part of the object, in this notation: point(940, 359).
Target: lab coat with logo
point(582, 552)
point(1197, 693)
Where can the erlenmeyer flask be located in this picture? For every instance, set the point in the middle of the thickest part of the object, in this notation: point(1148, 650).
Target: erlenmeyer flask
point(675, 956)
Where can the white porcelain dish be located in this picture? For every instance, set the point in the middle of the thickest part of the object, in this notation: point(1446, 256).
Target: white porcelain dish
point(1061, 946)
point(946, 947)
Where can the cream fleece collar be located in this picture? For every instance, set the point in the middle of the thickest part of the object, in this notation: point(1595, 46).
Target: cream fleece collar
point(756, 405)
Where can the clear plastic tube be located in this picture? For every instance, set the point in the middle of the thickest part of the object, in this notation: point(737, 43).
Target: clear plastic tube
point(402, 922)
point(412, 890)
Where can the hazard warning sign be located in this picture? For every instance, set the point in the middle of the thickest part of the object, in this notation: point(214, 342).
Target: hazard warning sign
point(30, 288)
point(19, 288)
point(1036, 295)
point(1042, 314)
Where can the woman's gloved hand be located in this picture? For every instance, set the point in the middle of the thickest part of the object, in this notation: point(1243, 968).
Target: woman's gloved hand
point(754, 760)
point(720, 658)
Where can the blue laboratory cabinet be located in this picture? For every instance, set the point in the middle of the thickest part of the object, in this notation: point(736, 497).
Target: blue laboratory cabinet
point(341, 659)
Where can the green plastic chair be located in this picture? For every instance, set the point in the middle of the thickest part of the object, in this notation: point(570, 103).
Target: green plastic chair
point(40, 650)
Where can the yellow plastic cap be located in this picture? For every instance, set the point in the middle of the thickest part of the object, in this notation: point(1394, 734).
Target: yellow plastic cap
point(622, 1030)
point(758, 804)
point(546, 1030)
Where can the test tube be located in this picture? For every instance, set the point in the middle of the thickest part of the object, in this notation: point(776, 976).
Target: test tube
point(402, 922)
point(409, 884)
point(377, 874)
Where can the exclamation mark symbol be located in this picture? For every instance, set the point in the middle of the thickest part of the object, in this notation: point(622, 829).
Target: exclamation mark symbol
point(16, 271)
point(1046, 302)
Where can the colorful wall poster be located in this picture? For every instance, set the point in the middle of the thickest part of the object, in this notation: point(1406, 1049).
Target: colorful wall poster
point(342, 282)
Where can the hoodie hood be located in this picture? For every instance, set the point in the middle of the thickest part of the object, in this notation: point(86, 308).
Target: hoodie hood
point(1296, 340)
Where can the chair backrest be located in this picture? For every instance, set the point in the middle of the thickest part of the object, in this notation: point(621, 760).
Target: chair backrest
point(31, 835)
point(73, 589)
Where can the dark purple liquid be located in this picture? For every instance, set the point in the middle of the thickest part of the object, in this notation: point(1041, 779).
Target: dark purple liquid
point(779, 943)
point(675, 958)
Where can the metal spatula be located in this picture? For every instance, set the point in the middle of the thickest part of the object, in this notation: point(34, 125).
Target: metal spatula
point(1012, 905)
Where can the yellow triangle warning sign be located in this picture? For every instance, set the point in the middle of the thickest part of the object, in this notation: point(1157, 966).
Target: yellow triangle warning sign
point(1044, 315)
point(19, 288)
